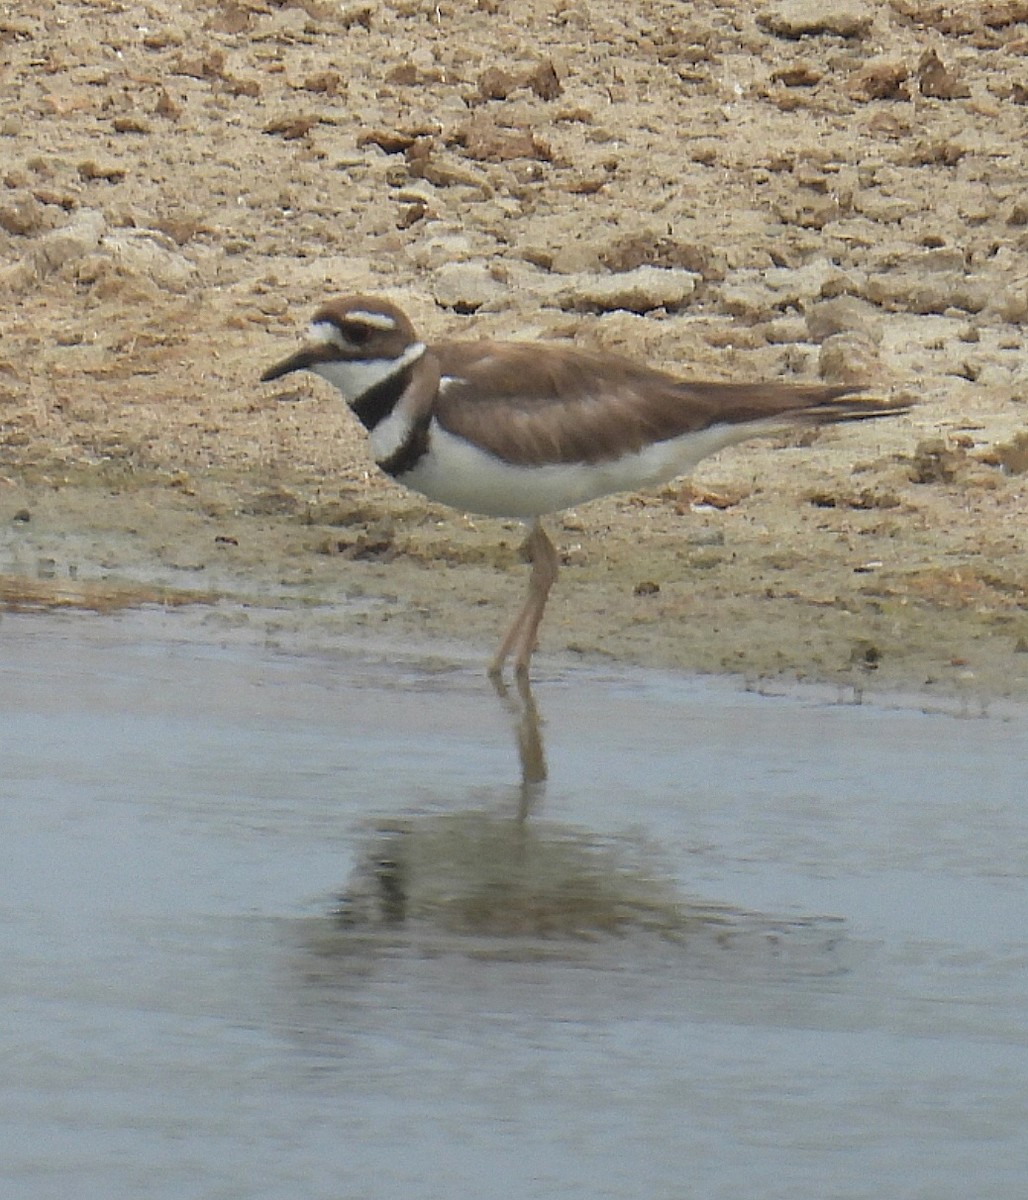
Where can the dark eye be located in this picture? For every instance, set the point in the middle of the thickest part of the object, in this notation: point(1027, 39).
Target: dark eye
point(355, 333)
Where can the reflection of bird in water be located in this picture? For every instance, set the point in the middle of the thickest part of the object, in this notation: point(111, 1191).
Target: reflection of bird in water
point(481, 873)
point(497, 888)
point(517, 429)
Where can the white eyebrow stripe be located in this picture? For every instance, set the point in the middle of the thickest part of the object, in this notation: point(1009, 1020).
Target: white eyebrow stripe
point(375, 320)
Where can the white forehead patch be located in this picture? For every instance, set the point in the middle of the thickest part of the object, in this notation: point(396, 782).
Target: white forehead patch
point(326, 334)
point(374, 320)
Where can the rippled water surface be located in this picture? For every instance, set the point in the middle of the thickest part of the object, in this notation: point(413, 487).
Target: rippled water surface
point(284, 923)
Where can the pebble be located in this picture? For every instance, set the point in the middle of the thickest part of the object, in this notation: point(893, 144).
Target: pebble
point(465, 287)
point(806, 18)
point(784, 330)
point(639, 291)
point(106, 170)
point(848, 358)
point(1011, 303)
point(52, 250)
point(753, 294)
point(843, 314)
point(576, 256)
point(927, 292)
point(21, 214)
point(149, 254)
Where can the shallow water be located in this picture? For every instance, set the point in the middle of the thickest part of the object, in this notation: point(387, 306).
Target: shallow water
point(275, 925)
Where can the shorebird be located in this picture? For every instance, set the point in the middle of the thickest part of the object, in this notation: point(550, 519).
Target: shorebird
point(525, 429)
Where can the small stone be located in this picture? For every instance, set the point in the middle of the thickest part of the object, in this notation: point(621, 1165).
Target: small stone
point(755, 295)
point(22, 214)
point(22, 516)
point(423, 163)
point(411, 214)
point(1012, 456)
point(54, 249)
point(655, 249)
point(143, 253)
point(937, 81)
point(935, 462)
point(167, 106)
point(236, 85)
point(465, 287)
point(806, 210)
point(130, 125)
point(798, 74)
point(575, 256)
point(806, 18)
point(233, 18)
point(360, 14)
point(292, 127)
point(200, 66)
point(925, 291)
point(545, 82)
point(881, 79)
point(406, 74)
point(161, 39)
point(748, 299)
point(110, 172)
point(485, 141)
point(391, 141)
point(180, 229)
point(495, 83)
point(1011, 303)
point(1018, 213)
point(326, 83)
point(848, 358)
point(783, 331)
point(639, 291)
point(843, 314)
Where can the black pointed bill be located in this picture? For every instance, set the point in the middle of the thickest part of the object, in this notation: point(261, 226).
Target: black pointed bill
point(304, 359)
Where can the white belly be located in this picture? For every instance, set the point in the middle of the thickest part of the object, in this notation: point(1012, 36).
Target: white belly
point(456, 473)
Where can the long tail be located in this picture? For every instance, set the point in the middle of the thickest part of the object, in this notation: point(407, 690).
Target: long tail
point(845, 404)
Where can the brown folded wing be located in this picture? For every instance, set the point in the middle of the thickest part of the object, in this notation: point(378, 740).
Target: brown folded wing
point(539, 404)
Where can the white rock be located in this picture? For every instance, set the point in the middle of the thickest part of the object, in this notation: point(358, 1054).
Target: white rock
point(843, 314)
point(152, 255)
point(639, 291)
point(805, 18)
point(848, 358)
point(52, 250)
point(935, 292)
point(465, 287)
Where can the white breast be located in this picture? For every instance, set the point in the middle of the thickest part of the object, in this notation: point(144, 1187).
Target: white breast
point(456, 473)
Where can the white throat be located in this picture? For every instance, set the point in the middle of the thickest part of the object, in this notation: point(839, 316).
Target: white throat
point(357, 377)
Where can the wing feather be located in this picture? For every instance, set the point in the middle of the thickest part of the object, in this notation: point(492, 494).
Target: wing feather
point(541, 404)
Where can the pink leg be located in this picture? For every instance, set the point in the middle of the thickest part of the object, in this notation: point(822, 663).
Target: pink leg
point(520, 638)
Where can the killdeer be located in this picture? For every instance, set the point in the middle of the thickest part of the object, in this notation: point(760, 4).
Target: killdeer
point(517, 429)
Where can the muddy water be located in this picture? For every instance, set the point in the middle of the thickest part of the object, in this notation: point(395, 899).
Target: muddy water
point(284, 922)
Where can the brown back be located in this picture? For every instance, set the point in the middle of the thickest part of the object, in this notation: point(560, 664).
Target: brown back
point(541, 404)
